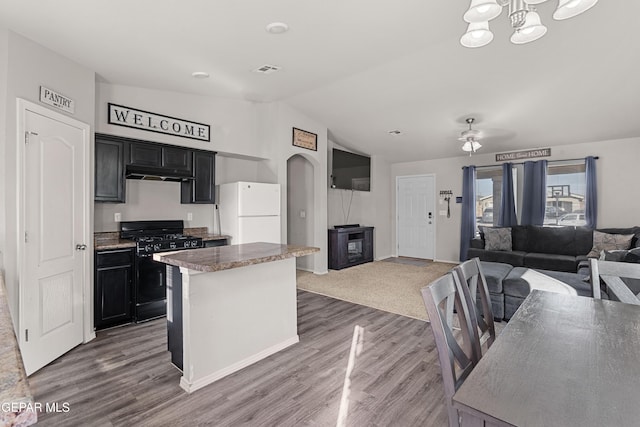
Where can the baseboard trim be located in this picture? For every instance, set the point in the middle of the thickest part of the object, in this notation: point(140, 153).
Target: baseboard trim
point(215, 376)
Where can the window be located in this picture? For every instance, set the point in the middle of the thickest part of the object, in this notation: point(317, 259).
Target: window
point(488, 195)
point(566, 188)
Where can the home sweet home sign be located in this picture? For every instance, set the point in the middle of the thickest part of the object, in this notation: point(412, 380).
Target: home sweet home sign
point(153, 122)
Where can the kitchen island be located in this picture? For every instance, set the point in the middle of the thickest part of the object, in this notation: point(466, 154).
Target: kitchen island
point(229, 307)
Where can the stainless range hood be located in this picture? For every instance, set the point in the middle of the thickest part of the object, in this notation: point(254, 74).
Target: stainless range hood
point(152, 173)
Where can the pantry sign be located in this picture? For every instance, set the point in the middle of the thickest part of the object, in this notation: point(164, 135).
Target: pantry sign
point(153, 122)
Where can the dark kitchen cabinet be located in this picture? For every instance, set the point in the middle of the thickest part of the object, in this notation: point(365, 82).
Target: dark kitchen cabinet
point(202, 188)
point(109, 169)
point(157, 155)
point(177, 158)
point(143, 154)
point(112, 287)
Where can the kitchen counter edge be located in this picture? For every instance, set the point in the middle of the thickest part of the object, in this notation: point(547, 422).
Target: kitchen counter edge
point(235, 256)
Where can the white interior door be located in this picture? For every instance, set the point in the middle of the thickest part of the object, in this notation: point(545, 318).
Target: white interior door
point(55, 197)
point(416, 216)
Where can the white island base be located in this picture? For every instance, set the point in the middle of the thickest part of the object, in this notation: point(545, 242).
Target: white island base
point(233, 318)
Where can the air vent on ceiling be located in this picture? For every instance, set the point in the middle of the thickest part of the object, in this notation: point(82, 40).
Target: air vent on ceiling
point(266, 69)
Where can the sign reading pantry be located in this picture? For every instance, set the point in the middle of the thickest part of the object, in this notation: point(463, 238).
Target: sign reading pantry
point(152, 122)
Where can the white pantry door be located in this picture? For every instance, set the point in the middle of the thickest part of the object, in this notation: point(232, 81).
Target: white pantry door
point(55, 182)
point(416, 216)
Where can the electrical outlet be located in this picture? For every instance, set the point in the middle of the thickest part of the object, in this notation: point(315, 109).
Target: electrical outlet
point(117, 217)
point(189, 216)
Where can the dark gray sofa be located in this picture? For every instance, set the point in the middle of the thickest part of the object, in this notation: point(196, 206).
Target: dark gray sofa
point(547, 248)
point(558, 252)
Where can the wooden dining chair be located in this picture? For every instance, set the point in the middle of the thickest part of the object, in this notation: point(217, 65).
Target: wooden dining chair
point(456, 353)
point(611, 273)
point(474, 283)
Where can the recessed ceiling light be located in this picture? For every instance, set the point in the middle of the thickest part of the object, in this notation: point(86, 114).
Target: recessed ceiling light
point(200, 75)
point(395, 132)
point(277, 28)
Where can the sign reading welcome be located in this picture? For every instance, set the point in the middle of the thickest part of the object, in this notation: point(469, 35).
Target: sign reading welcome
point(152, 122)
point(527, 154)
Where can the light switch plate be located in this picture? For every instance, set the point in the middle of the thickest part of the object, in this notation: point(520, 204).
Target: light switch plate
point(443, 213)
point(190, 216)
point(117, 217)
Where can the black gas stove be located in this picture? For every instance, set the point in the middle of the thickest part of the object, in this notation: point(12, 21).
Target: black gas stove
point(150, 281)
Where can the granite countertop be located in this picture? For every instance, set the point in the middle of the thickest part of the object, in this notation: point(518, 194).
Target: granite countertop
point(234, 256)
point(14, 387)
point(112, 240)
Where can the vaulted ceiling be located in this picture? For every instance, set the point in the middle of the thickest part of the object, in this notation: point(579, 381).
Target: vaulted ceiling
point(366, 67)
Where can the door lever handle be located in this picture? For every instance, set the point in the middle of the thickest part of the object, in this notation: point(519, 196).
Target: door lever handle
point(80, 247)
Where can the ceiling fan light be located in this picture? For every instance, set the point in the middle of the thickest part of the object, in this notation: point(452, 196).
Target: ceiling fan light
point(570, 8)
point(477, 35)
point(530, 31)
point(471, 145)
point(482, 11)
point(532, 2)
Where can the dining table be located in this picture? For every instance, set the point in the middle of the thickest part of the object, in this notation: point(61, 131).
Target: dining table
point(562, 360)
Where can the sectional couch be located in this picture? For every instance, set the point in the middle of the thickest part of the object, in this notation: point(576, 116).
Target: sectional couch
point(560, 253)
point(548, 248)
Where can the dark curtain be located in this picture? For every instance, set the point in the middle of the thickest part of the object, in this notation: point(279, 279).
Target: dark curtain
point(534, 194)
point(591, 198)
point(468, 221)
point(507, 216)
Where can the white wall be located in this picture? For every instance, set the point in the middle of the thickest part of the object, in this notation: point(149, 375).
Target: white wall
point(367, 208)
point(300, 211)
point(28, 66)
point(618, 204)
point(279, 122)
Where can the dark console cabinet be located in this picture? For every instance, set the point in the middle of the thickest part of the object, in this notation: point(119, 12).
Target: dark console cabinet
point(350, 246)
point(113, 285)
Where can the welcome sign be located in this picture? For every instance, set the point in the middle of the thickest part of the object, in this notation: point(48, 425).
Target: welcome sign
point(152, 122)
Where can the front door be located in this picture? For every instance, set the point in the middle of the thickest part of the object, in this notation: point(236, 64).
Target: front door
point(53, 267)
point(416, 216)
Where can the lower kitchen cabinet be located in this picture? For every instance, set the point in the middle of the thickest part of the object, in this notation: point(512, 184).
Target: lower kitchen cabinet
point(113, 283)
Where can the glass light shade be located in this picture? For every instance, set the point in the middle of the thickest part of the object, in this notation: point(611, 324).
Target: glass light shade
point(530, 31)
point(535, 1)
point(482, 11)
point(471, 145)
point(570, 8)
point(477, 35)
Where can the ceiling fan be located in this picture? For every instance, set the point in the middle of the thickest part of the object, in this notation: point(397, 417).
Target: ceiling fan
point(470, 138)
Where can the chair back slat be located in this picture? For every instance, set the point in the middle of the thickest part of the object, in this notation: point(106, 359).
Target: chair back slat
point(456, 353)
point(611, 273)
point(474, 284)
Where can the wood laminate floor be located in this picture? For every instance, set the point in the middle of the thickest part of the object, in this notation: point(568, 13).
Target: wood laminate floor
point(124, 377)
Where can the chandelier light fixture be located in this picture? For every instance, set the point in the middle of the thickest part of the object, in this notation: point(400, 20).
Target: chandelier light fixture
point(522, 14)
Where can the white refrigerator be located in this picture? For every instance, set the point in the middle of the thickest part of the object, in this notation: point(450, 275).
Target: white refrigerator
point(250, 212)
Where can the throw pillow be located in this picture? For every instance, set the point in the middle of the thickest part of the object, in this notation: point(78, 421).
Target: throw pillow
point(607, 242)
point(497, 239)
point(633, 255)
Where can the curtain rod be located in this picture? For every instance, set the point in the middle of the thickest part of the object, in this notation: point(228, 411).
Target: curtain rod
point(522, 163)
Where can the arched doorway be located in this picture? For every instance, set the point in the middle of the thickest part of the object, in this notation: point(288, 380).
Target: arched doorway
point(301, 213)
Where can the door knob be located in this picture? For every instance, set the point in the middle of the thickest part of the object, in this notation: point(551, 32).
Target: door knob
point(81, 247)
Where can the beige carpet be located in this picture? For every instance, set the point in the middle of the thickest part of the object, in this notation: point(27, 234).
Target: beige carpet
point(387, 286)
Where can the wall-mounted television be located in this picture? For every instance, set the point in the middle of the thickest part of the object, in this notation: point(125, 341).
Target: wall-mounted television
point(350, 171)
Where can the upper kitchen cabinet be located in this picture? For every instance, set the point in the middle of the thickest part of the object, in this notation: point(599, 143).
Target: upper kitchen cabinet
point(202, 188)
point(173, 158)
point(109, 168)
